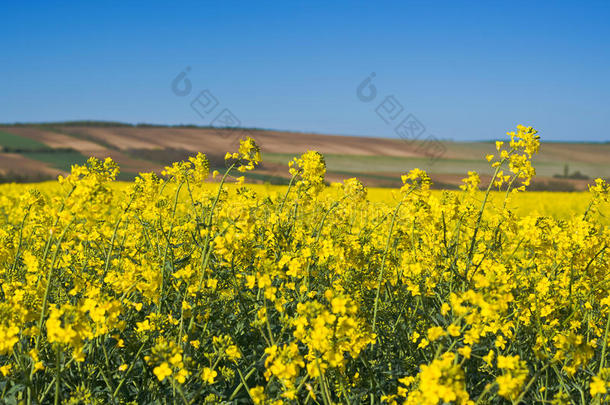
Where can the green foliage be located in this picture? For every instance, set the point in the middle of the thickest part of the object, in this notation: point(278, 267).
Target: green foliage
point(10, 142)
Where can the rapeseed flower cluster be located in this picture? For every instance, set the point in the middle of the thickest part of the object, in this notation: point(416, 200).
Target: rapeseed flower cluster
point(177, 289)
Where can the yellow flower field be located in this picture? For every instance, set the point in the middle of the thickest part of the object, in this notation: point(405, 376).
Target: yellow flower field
point(175, 289)
point(560, 205)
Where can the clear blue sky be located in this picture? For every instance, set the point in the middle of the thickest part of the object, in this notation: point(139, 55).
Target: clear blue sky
point(466, 70)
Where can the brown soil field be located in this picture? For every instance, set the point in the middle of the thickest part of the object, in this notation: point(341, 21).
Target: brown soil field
point(226, 139)
point(57, 140)
point(21, 165)
point(354, 156)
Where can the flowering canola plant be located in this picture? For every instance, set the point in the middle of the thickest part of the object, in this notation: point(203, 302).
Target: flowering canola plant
point(173, 290)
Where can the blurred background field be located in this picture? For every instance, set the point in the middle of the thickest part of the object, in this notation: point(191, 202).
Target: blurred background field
point(560, 205)
point(35, 152)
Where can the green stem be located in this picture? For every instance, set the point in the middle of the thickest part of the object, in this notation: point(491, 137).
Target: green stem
point(385, 252)
point(325, 395)
point(205, 254)
point(167, 246)
point(286, 195)
point(116, 227)
point(57, 374)
point(48, 287)
point(480, 216)
point(603, 357)
point(20, 239)
point(50, 240)
point(116, 391)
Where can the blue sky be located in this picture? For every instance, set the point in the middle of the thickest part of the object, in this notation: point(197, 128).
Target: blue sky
point(466, 70)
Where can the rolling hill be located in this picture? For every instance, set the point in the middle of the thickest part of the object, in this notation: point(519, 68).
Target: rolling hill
point(33, 152)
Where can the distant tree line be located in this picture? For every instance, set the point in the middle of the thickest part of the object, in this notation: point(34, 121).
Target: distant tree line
point(107, 124)
point(14, 177)
point(9, 149)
